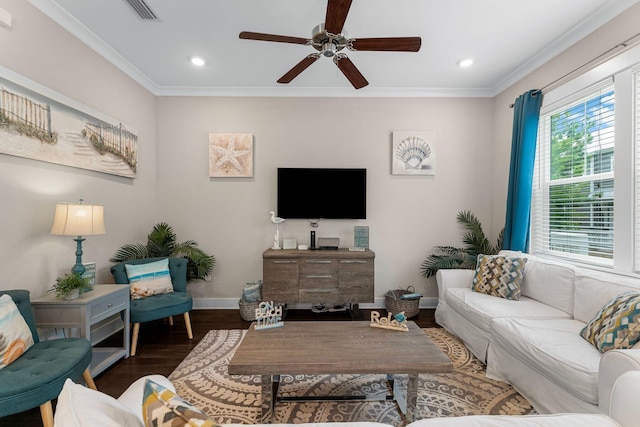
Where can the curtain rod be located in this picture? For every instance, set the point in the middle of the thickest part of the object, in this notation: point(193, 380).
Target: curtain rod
point(589, 65)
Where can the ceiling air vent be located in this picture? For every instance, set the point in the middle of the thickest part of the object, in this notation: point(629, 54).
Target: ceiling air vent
point(143, 10)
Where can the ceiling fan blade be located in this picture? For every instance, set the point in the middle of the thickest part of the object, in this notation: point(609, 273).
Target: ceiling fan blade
point(394, 44)
point(337, 11)
point(350, 71)
point(298, 68)
point(248, 35)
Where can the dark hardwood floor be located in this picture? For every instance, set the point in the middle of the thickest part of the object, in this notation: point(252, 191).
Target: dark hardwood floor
point(162, 347)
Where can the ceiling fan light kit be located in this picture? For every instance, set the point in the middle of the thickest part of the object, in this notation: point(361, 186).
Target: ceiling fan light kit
point(329, 39)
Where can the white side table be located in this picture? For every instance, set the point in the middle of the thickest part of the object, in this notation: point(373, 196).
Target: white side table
point(97, 315)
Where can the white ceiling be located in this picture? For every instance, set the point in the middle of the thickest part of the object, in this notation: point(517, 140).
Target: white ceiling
point(506, 38)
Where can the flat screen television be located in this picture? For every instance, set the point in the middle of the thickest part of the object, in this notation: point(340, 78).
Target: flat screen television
point(322, 193)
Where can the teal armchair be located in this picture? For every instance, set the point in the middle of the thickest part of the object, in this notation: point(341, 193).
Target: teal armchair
point(158, 306)
point(38, 375)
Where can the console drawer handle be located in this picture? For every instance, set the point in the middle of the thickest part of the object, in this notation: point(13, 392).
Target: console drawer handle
point(288, 261)
point(319, 261)
point(320, 291)
point(319, 276)
point(353, 261)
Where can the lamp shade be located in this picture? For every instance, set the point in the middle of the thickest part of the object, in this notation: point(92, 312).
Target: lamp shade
point(74, 219)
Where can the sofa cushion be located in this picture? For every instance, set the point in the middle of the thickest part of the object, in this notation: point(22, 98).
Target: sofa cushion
point(499, 276)
point(554, 420)
point(594, 289)
point(479, 308)
point(547, 281)
point(131, 398)
point(81, 406)
point(554, 349)
point(161, 407)
point(617, 324)
point(15, 335)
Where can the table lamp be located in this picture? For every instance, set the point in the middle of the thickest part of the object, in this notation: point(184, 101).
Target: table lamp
point(78, 219)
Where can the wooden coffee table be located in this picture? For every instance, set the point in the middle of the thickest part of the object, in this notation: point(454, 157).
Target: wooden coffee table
point(318, 348)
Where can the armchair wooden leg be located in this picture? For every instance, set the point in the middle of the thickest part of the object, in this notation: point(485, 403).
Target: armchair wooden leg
point(170, 320)
point(187, 321)
point(86, 375)
point(134, 338)
point(46, 412)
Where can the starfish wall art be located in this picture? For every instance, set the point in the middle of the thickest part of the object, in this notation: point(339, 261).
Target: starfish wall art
point(230, 155)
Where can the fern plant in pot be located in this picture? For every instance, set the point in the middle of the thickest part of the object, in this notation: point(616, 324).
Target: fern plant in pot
point(161, 242)
point(475, 243)
point(70, 286)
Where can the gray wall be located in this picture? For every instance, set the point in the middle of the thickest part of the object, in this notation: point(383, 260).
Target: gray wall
point(407, 215)
point(31, 258)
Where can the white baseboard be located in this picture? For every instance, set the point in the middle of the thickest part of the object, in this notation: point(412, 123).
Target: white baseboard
point(232, 303)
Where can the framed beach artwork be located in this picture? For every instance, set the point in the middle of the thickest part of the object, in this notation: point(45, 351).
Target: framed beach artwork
point(413, 153)
point(230, 155)
point(40, 124)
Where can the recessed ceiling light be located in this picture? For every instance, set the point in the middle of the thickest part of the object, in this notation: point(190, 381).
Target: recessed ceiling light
point(196, 60)
point(465, 62)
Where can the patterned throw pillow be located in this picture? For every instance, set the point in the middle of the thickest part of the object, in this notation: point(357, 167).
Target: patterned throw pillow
point(148, 279)
point(499, 276)
point(15, 335)
point(163, 408)
point(617, 324)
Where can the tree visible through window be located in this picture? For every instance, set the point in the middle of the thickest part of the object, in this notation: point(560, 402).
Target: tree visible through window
point(574, 212)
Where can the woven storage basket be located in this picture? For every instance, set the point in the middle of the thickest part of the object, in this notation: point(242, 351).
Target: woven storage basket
point(248, 310)
point(411, 307)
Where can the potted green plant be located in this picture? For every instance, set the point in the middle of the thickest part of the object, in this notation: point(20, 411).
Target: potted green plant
point(475, 243)
point(70, 285)
point(161, 242)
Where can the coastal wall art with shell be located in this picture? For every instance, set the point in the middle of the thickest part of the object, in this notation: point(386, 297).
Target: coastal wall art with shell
point(230, 155)
point(413, 153)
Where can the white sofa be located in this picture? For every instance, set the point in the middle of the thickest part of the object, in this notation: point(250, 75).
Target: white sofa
point(625, 412)
point(78, 406)
point(534, 343)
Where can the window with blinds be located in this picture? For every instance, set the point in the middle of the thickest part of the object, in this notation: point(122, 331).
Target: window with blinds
point(573, 190)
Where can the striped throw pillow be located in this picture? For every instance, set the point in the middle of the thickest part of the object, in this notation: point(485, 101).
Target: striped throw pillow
point(148, 279)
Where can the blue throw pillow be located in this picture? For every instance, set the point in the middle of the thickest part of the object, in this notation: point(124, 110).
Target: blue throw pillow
point(148, 279)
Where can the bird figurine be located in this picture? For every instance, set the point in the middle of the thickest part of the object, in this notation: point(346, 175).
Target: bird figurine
point(276, 220)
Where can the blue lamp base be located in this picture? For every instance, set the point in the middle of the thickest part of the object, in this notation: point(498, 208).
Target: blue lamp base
point(78, 269)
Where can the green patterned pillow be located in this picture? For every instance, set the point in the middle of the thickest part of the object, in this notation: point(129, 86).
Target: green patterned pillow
point(499, 276)
point(163, 408)
point(617, 324)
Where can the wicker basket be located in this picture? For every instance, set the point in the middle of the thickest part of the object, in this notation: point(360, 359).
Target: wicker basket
point(248, 310)
point(411, 307)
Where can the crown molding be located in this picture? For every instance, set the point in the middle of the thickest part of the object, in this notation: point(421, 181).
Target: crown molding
point(597, 19)
point(324, 92)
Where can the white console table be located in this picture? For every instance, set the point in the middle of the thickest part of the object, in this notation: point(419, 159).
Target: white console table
point(97, 315)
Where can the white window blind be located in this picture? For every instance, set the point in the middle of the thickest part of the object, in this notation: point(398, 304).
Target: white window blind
point(573, 190)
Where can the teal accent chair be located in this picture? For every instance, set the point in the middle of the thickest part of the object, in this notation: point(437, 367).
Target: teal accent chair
point(37, 377)
point(158, 306)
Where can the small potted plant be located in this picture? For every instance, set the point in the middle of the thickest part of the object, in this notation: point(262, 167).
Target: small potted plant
point(70, 285)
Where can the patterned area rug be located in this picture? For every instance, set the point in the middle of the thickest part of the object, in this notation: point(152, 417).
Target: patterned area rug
point(203, 380)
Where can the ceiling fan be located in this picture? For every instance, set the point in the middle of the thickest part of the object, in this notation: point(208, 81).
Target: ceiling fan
point(328, 40)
